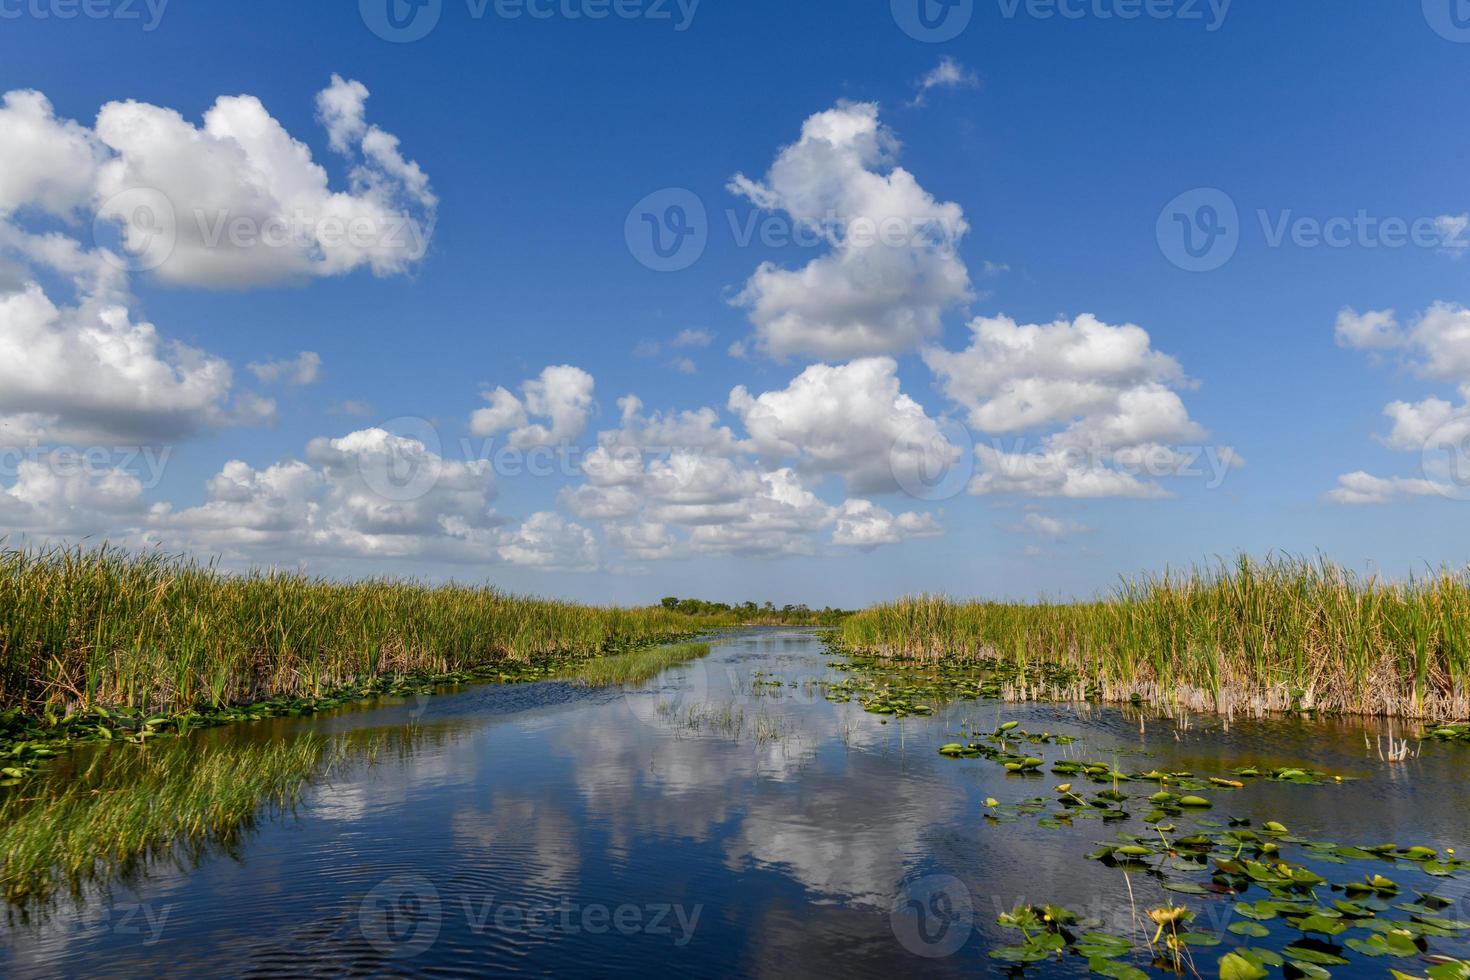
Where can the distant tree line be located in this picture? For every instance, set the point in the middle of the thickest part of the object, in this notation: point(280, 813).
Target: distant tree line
point(752, 612)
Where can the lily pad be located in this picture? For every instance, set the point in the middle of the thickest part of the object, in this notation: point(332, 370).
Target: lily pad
point(1252, 929)
point(1241, 966)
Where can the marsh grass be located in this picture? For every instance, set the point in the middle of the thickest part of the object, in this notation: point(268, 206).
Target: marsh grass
point(80, 628)
point(1244, 637)
point(726, 720)
point(638, 666)
point(125, 810)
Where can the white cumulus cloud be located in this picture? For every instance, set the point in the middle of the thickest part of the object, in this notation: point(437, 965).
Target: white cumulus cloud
point(891, 269)
point(562, 395)
point(1436, 347)
point(248, 203)
point(303, 369)
point(850, 419)
point(1090, 408)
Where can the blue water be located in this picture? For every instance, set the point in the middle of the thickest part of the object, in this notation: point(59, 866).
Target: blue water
point(705, 824)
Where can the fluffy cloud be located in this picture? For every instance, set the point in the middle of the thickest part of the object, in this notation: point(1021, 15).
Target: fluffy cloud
point(666, 486)
point(1055, 528)
point(83, 365)
point(697, 429)
point(851, 420)
point(1436, 347)
point(1441, 337)
point(548, 542)
point(722, 506)
point(303, 369)
point(1054, 472)
point(367, 494)
point(91, 372)
point(1376, 329)
point(601, 502)
point(1100, 402)
point(776, 515)
point(247, 202)
point(1364, 488)
point(949, 73)
point(643, 542)
point(692, 338)
point(49, 164)
point(57, 494)
point(891, 270)
point(1016, 377)
point(863, 524)
point(562, 395)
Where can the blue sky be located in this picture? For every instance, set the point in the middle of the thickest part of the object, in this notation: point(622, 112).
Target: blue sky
point(1060, 140)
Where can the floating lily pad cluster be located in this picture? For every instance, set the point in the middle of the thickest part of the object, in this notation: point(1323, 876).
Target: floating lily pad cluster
point(1447, 733)
point(1050, 932)
point(761, 680)
point(1302, 922)
point(1317, 923)
point(997, 747)
point(28, 743)
point(879, 683)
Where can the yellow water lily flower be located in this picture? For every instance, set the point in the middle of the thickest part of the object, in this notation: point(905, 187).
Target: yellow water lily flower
point(1166, 915)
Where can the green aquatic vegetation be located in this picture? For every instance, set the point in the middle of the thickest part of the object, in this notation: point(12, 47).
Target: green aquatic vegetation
point(1399, 942)
point(1312, 921)
point(27, 744)
point(1050, 931)
point(1283, 635)
point(1447, 733)
point(636, 667)
point(81, 629)
point(1242, 965)
point(1252, 930)
point(123, 809)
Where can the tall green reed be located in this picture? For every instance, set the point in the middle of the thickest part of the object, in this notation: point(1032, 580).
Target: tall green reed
point(1278, 634)
point(85, 627)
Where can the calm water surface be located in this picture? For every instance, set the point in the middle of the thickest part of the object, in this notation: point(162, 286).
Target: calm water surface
point(724, 819)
